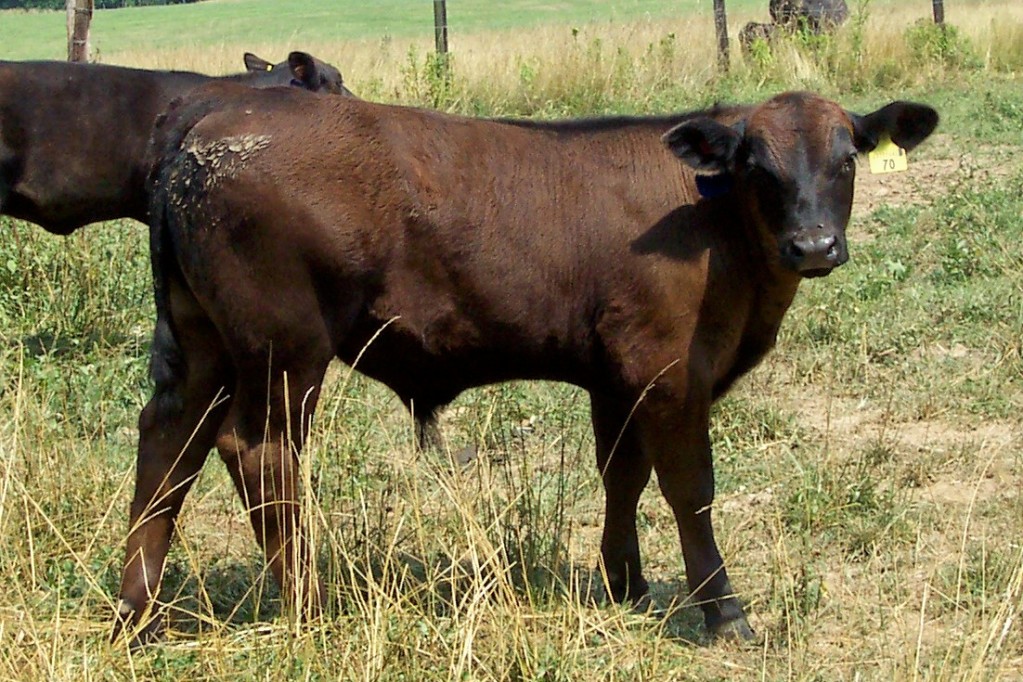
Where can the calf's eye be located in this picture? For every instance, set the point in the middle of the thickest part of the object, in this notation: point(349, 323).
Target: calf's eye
point(849, 165)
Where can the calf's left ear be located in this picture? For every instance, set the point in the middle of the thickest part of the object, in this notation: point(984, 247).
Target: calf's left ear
point(254, 63)
point(906, 123)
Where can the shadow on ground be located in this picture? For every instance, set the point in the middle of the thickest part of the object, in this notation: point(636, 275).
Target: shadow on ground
point(237, 594)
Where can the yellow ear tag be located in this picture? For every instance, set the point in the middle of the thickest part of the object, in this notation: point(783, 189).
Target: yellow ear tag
point(888, 157)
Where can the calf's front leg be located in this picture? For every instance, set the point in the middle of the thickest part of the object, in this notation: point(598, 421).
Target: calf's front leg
point(625, 471)
point(678, 443)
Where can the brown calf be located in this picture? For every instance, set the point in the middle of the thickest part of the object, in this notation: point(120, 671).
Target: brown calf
point(450, 253)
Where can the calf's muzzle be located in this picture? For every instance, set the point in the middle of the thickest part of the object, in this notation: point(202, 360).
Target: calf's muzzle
point(814, 253)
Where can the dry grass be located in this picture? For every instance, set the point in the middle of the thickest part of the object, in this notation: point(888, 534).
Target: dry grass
point(870, 473)
point(644, 65)
point(487, 572)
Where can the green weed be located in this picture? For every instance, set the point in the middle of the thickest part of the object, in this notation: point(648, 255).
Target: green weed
point(929, 43)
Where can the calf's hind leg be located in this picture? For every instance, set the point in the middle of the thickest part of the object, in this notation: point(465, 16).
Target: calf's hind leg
point(260, 444)
point(177, 429)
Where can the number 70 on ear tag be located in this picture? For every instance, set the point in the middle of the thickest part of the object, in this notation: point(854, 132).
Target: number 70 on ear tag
point(888, 157)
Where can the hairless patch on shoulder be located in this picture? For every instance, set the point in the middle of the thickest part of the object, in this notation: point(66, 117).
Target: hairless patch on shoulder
point(223, 157)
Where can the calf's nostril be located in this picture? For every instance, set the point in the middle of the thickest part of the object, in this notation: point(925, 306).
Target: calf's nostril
point(813, 251)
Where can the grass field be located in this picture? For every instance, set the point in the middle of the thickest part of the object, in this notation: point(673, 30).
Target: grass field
point(287, 24)
point(41, 35)
point(870, 472)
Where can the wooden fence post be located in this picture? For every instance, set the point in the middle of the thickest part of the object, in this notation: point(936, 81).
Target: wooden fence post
point(79, 16)
point(721, 27)
point(440, 26)
point(939, 12)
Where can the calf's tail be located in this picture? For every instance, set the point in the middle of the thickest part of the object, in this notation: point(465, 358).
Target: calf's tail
point(166, 360)
point(167, 166)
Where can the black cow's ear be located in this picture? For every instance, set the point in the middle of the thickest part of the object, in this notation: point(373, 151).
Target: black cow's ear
point(254, 63)
point(704, 144)
point(906, 123)
point(303, 68)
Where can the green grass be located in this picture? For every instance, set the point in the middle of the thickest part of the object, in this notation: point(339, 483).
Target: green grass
point(952, 269)
point(868, 473)
point(42, 35)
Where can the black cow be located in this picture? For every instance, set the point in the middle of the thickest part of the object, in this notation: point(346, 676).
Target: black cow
point(73, 136)
point(816, 15)
point(789, 16)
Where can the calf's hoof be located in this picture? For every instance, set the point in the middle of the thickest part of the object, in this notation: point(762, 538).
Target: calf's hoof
point(126, 624)
point(735, 630)
point(620, 590)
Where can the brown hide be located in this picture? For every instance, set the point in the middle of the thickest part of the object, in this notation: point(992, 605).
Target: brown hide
point(437, 253)
point(496, 255)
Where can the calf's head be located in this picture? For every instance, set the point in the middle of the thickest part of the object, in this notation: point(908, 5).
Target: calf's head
point(302, 70)
point(790, 164)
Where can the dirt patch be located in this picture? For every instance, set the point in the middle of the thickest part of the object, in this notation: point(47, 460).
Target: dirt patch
point(853, 425)
point(917, 186)
point(928, 178)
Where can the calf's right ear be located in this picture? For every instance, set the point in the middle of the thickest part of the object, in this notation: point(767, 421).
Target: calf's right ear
point(303, 68)
point(704, 144)
point(254, 63)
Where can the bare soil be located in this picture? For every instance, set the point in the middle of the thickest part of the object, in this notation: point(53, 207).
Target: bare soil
point(931, 175)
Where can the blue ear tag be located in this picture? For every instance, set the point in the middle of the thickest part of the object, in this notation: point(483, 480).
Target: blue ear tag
point(711, 186)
